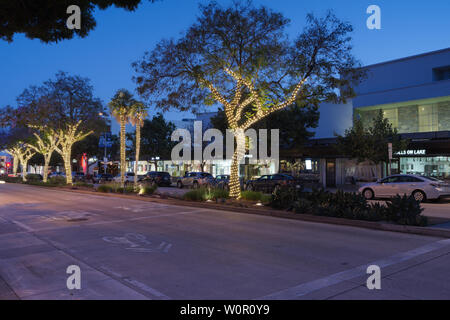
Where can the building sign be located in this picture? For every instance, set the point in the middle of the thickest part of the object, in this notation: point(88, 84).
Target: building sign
point(421, 152)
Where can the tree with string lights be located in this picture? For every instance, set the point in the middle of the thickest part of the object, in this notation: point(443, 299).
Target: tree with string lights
point(67, 137)
point(138, 113)
point(45, 143)
point(23, 153)
point(240, 58)
point(120, 107)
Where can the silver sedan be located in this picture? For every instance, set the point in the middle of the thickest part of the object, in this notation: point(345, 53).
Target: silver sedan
point(421, 188)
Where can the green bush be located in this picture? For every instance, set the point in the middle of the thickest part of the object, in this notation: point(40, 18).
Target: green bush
point(32, 177)
point(105, 188)
point(303, 206)
point(147, 190)
point(401, 210)
point(58, 180)
point(83, 184)
point(11, 179)
point(204, 194)
point(252, 195)
point(194, 195)
point(405, 210)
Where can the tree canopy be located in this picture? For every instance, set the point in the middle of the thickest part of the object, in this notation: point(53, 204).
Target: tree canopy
point(249, 43)
point(155, 138)
point(294, 123)
point(46, 19)
point(55, 104)
point(241, 58)
point(371, 142)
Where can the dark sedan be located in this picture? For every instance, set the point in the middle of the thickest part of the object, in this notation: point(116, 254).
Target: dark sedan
point(269, 183)
point(159, 178)
point(102, 178)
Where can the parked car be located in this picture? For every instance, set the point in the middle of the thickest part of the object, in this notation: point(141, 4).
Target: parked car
point(159, 178)
point(129, 178)
point(57, 174)
point(102, 178)
point(78, 176)
point(195, 180)
point(269, 183)
point(421, 188)
point(34, 177)
point(223, 182)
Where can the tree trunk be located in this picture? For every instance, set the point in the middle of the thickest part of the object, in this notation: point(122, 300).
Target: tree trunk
point(138, 150)
point(235, 186)
point(15, 165)
point(122, 151)
point(68, 165)
point(46, 164)
point(24, 170)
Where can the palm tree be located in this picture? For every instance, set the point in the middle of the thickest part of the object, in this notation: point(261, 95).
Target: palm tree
point(138, 113)
point(120, 106)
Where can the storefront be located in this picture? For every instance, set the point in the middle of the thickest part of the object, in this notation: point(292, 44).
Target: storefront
point(427, 157)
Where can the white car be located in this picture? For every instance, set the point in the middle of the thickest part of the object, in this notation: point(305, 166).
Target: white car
point(421, 188)
point(129, 177)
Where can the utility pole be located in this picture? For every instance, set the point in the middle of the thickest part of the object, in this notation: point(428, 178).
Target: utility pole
point(390, 158)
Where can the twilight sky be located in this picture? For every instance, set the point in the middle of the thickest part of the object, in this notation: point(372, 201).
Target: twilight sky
point(409, 27)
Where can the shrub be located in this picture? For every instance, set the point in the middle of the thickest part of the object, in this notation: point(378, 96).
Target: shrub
point(147, 190)
point(266, 198)
point(303, 206)
point(405, 210)
point(402, 210)
point(105, 188)
point(11, 179)
point(83, 184)
point(203, 194)
point(195, 195)
point(32, 177)
point(214, 194)
point(251, 195)
point(58, 180)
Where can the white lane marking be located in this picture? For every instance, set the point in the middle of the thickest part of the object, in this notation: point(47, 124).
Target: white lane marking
point(108, 222)
point(308, 287)
point(20, 224)
point(137, 242)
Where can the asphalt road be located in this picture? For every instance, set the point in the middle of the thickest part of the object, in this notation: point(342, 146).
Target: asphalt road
point(132, 249)
point(440, 209)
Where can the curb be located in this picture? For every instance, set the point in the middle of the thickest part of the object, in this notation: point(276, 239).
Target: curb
point(424, 231)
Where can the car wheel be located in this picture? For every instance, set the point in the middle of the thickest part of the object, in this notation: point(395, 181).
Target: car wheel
point(179, 185)
point(368, 194)
point(250, 187)
point(419, 196)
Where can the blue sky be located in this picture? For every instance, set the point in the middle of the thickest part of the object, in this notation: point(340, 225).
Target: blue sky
point(409, 27)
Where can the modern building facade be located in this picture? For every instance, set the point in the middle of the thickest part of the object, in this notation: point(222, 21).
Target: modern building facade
point(414, 95)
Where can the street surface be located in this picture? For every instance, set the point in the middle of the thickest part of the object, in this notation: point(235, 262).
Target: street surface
point(133, 249)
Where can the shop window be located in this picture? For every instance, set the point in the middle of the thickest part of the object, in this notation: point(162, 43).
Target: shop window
point(428, 118)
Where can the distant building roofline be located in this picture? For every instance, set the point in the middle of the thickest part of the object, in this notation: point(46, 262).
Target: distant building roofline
point(407, 58)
